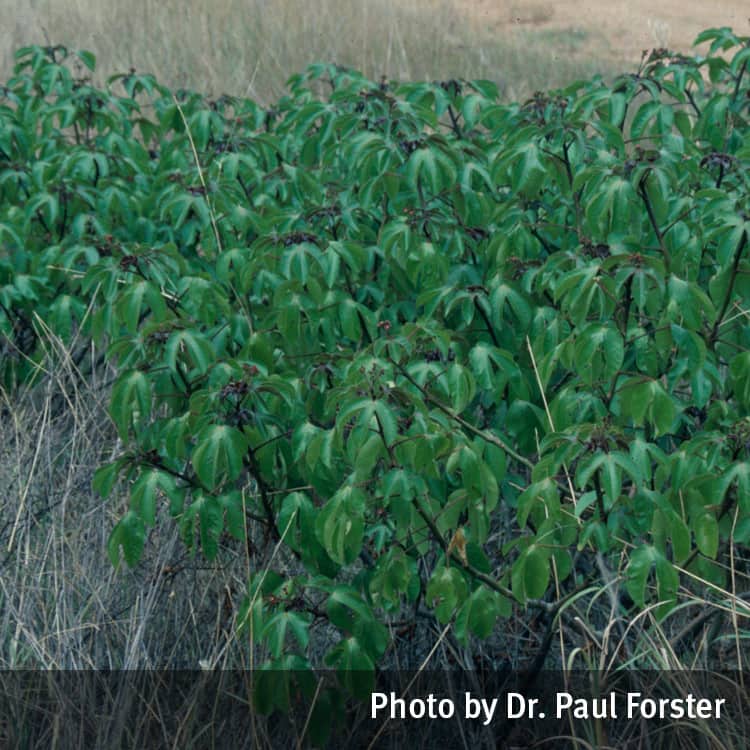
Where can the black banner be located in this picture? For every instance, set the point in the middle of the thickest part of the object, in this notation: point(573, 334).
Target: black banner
point(448, 709)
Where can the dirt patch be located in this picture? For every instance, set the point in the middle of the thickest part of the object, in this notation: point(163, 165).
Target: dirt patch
point(618, 29)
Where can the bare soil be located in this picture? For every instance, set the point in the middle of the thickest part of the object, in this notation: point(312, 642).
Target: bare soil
point(615, 29)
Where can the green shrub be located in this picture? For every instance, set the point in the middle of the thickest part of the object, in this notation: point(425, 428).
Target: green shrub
point(439, 348)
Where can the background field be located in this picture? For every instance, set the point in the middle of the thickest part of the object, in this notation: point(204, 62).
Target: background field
point(252, 46)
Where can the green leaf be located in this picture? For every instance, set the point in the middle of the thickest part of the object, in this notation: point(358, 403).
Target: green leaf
point(462, 387)
point(276, 628)
point(478, 614)
point(430, 169)
point(219, 454)
point(345, 607)
point(638, 571)
point(129, 535)
point(645, 400)
point(446, 591)
point(599, 353)
point(130, 306)
point(146, 490)
point(392, 579)
point(354, 667)
point(530, 574)
point(190, 347)
point(706, 530)
point(527, 171)
point(130, 403)
point(340, 525)
point(105, 477)
point(88, 59)
point(642, 561)
point(739, 372)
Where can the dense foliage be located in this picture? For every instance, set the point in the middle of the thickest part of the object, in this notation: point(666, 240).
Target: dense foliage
point(442, 349)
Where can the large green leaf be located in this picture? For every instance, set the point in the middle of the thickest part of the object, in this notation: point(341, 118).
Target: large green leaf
point(219, 454)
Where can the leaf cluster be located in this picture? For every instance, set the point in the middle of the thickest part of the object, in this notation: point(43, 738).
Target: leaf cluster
point(441, 348)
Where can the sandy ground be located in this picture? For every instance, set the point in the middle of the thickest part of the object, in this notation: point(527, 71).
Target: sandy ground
point(619, 28)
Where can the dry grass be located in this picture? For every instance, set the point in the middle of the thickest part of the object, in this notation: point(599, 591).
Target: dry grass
point(252, 46)
point(62, 605)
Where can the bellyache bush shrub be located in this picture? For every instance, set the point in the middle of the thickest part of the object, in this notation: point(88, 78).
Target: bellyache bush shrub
point(386, 322)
